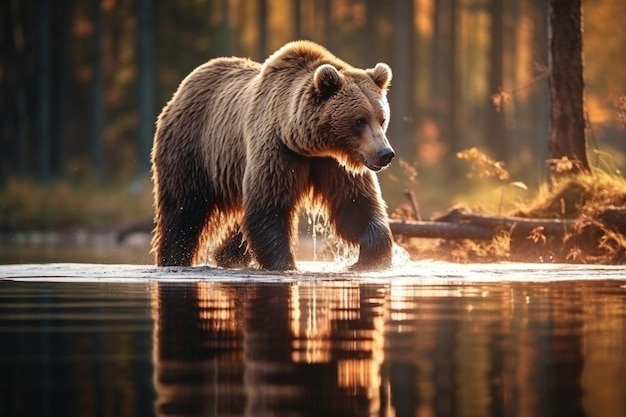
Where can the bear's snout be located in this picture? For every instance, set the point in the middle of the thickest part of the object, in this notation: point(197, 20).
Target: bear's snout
point(380, 159)
point(385, 156)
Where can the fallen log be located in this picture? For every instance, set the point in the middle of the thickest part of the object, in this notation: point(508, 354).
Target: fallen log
point(458, 224)
point(455, 225)
point(516, 225)
point(436, 229)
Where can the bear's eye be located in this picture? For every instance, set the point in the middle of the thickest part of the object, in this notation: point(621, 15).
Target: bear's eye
point(360, 123)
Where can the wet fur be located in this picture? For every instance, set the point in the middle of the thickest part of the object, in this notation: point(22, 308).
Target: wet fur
point(241, 146)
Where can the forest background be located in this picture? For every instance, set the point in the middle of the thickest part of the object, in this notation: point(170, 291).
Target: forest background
point(82, 82)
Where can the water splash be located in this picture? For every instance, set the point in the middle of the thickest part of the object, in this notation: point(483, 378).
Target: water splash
point(413, 273)
point(313, 217)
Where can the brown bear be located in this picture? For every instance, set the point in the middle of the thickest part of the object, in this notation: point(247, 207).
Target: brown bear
point(242, 146)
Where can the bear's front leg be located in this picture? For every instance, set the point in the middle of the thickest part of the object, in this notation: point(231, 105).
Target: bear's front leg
point(274, 183)
point(357, 211)
point(268, 234)
point(375, 246)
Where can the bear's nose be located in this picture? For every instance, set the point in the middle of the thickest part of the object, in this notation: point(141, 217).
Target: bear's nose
point(385, 156)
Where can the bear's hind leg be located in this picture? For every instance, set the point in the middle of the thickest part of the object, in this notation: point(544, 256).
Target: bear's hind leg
point(178, 229)
point(233, 252)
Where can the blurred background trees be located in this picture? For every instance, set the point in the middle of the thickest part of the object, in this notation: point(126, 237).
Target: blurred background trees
point(82, 81)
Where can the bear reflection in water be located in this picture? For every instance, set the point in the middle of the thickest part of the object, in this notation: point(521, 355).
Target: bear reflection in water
point(242, 146)
point(267, 350)
point(353, 349)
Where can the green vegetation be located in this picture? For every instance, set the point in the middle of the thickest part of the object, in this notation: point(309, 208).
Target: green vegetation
point(26, 205)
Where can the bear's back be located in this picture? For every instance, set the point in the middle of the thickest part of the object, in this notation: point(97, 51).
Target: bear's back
point(299, 55)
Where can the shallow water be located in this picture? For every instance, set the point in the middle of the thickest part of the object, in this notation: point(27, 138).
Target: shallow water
point(424, 339)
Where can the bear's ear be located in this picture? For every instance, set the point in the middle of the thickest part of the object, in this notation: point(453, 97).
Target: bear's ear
point(327, 79)
point(381, 74)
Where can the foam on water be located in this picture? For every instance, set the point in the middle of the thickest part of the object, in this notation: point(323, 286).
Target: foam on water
point(403, 272)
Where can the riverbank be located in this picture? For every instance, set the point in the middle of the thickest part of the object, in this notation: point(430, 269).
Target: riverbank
point(67, 222)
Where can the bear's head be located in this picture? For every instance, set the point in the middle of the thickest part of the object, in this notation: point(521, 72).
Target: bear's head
point(354, 115)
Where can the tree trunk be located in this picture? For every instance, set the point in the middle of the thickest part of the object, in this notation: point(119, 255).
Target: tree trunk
point(401, 97)
point(13, 139)
point(541, 91)
point(97, 151)
point(263, 30)
point(146, 79)
point(297, 19)
point(226, 31)
point(567, 130)
point(62, 19)
point(495, 114)
point(327, 18)
point(444, 75)
point(43, 91)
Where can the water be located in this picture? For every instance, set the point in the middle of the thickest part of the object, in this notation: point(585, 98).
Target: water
point(425, 339)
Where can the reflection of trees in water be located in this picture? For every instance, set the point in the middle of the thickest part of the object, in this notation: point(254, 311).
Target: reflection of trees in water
point(379, 349)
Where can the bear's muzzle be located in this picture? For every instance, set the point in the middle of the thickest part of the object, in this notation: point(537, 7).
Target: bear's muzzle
point(381, 159)
point(385, 156)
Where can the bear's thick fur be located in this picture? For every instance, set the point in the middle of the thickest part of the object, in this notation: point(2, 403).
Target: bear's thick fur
point(242, 146)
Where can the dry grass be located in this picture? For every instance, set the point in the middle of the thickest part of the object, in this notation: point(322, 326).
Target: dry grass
point(574, 196)
point(596, 201)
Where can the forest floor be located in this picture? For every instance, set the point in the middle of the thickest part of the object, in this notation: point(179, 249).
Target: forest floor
point(590, 206)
